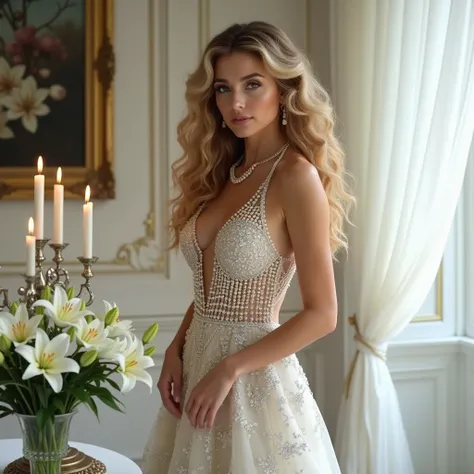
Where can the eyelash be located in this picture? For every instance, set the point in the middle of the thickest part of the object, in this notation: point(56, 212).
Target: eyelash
point(254, 84)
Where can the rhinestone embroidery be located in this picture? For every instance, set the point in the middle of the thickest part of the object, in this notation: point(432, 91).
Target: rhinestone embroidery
point(249, 276)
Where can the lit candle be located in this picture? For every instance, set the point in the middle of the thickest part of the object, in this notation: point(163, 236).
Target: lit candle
point(87, 211)
point(30, 249)
point(58, 209)
point(39, 200)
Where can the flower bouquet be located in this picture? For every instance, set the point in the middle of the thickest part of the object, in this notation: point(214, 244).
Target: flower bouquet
point(57, 355)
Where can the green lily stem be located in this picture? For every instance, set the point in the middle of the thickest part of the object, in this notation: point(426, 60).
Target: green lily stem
point(20, 391)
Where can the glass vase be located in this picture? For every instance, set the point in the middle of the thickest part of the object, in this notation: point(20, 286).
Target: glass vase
point(45, 447)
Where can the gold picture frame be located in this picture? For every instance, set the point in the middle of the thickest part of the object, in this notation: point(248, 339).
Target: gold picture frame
point(97, 169)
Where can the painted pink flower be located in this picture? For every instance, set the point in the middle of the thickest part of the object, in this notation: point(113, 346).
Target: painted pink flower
point(47, 43)
point(26, 34)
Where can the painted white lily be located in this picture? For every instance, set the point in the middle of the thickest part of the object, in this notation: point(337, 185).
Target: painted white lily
point(63, 312)
point(27, 102)
point(47, 358)
point(135, 366)
point(92, 334)
point(10, 77)
point(118, 327)
point(5, 132)
point(19, 328)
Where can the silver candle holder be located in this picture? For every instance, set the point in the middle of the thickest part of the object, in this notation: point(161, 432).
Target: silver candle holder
point(55, 275)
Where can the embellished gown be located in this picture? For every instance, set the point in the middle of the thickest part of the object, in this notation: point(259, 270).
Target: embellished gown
point(269, 423)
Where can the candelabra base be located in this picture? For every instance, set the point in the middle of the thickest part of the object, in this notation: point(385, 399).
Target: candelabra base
point(75, 462)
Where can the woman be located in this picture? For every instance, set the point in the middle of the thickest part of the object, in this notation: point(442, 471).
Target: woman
point(261, 194)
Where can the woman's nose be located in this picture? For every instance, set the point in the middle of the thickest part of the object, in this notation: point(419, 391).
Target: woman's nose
point(238, 102)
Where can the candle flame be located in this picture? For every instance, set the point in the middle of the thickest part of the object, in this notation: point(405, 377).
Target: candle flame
point(59, 175)
point(40, 165)
point(88, 193)
point(31, 226)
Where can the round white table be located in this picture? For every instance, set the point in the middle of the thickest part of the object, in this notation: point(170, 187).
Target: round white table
point(11, 449)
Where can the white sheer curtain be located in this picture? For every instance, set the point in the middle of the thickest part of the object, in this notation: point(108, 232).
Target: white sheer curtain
point(403, 85)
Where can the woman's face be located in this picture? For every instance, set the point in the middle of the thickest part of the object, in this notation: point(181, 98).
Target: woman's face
point(247, 96)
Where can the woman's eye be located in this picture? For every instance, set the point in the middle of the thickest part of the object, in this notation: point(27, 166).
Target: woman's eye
point(253, 85)
point(221, 89)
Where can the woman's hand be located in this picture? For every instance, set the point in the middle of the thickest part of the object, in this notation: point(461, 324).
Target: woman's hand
point(208, 396)
point(170, 382)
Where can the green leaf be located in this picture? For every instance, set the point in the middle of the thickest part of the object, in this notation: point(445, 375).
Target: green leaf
point(44, 415)
point(12, 382)
point(93, 406)
point(114, 385)
point(106, 398)
point(59, 404)
point(80, 394)
point(43, 395)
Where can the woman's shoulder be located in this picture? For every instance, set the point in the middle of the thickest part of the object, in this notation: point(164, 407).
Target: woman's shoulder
point(295, 174)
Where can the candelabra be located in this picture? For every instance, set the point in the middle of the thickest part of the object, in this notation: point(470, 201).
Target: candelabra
point(55, 275)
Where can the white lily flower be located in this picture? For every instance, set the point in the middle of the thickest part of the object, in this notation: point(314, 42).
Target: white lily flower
point(92, 334)
point(63, 312)
point(135, 366)
point(47, 358)
point(19, 328)
point(112, 350)
point(119, 327)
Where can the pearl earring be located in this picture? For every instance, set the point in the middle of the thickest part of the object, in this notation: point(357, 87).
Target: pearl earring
point(283, 115)
point(223, 124)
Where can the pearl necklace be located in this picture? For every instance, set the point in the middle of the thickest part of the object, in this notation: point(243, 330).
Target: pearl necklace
point(236, 180)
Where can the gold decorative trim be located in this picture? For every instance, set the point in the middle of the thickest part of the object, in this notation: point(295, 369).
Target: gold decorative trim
point(16, 182)
point(438, 316)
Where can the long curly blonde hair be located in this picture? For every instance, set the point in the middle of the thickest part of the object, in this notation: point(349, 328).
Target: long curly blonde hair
point(209, 150)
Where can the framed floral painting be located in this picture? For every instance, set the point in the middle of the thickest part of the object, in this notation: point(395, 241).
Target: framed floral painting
point(56, 77)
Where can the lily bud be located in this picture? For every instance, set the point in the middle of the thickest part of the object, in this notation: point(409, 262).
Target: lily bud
point(83, 305)
point(111, 316)
point(71, 333)
point(2, 359)
point(149, 351)
point(88, 358)
point(13, 308)
point(150, 334)
point(46, 293)
point(5, 344)
point(70, 293)
point(89, 318)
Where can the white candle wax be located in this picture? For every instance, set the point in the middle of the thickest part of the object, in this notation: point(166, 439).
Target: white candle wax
point(58, 209)
point(87, 221)
point(39, 200)
point(30, 250)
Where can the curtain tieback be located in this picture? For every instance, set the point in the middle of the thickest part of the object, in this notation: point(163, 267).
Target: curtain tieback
point(362, 346)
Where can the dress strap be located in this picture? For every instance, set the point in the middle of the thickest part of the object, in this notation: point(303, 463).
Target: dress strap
point(263, 196)
point(272, 170)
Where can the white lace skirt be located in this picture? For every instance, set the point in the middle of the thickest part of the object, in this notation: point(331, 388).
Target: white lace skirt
point(268, 424)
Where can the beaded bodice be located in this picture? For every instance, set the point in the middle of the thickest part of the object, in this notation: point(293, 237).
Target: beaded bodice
point(249, 276)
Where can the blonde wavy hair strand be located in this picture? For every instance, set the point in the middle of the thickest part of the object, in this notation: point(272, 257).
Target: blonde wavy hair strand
point(209, 150)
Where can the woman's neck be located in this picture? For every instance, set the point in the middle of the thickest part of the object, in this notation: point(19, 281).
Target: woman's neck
point(262, 145)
